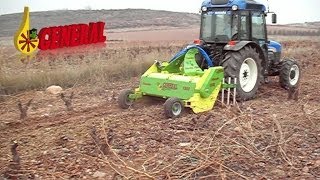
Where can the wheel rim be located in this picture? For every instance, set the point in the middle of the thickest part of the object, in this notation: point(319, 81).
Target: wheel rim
point(248, 75)
point(294, 75)
point(176, 108)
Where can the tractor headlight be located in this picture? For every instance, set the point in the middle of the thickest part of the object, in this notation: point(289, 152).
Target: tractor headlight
point(234, 7)
point(204, 9)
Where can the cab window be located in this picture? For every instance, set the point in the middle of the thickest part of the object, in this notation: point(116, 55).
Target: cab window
point(244, 23)
point(258, 26)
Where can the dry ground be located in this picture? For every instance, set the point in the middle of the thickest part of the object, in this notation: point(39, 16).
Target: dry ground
point(266, 138)
point(157, 35)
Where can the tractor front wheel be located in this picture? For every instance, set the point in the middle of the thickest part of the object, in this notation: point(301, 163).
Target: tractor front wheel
point(173, 107)
point(289, 74)
point(123, 99)
point(245, 65)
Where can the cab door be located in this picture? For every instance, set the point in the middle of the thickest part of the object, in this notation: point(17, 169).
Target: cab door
point(258, 28)
point(245, 31)
point(259, 35)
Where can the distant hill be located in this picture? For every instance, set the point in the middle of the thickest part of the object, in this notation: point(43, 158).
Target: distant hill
point(115, 19)
point(129, 20)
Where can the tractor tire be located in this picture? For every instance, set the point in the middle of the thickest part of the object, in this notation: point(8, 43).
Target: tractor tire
point(245, 65)
point(173, 108)
point(289, 74)
point(123, 99)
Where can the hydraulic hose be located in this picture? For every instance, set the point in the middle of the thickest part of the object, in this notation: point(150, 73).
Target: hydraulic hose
point(202, 52)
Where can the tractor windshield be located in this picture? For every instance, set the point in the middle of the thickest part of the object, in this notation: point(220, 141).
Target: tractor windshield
point(218, 26)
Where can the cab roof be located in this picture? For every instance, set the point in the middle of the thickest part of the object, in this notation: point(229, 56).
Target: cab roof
point(242, 4)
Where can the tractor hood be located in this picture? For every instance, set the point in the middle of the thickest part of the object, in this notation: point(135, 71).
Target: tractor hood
point(274, 46)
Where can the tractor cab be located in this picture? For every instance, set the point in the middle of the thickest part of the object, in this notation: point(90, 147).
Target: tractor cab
point(236, 20)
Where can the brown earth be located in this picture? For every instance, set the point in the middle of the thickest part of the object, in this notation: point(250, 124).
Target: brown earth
point(269, 137)
point(157, 35)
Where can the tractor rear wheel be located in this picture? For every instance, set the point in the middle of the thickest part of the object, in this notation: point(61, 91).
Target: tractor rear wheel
point(245, 65)
point(173, 107)
point(289, 74)
point(123, 99)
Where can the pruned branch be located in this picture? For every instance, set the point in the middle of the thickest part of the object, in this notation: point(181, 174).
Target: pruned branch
point(67, 101)
point(103, 148)
point(293, 93)
point(24, 109)
point(15, 155)
point(13, 171)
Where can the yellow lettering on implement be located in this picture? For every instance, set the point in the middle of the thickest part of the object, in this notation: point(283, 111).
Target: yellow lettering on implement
point(169, 86)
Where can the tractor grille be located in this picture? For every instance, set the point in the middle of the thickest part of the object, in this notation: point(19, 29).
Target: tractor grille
point(219, 2)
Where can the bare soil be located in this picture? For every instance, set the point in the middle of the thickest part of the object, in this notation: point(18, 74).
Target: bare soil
point(269, 137)
point(189, 34)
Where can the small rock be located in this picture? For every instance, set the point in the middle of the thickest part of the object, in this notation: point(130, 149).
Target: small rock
point(184, 144)
point(99, 174)
point(317, 163)
point(65, 138)
point(262, 164)
point(66, 150)
point(305, 169)
point(54, 90)
point(278, 172)
point(238, 129)
point(45, 152)
point(45, 115)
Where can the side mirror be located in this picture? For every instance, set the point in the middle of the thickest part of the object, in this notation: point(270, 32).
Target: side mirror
point(274, 19)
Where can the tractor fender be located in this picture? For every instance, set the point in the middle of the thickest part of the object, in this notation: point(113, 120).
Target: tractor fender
point(238, 46)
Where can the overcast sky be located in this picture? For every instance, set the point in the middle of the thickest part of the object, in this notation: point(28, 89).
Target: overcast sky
point(289, 11)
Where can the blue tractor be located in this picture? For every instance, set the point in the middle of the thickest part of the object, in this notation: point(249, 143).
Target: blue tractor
point(234, 35)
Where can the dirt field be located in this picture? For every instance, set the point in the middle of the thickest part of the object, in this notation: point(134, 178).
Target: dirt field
point(266, 138)
point(157, 35)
